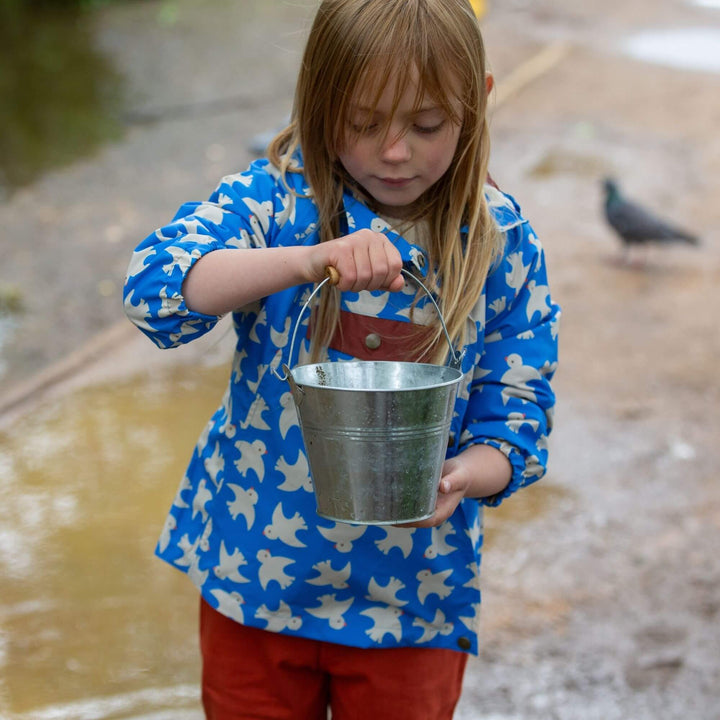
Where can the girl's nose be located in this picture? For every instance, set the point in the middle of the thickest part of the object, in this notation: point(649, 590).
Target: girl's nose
point(395, 148)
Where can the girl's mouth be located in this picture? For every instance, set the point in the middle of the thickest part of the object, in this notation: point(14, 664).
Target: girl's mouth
point(396, 182)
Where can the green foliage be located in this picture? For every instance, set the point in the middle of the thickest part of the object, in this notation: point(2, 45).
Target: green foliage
point(59, 98)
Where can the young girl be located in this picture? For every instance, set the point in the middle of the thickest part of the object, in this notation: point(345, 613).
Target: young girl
point(383, 167)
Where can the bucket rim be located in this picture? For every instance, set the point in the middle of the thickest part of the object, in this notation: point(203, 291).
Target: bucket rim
point(455, 360)
point(332, 367)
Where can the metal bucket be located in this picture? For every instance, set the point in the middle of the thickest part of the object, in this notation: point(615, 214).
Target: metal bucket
point(375, 433)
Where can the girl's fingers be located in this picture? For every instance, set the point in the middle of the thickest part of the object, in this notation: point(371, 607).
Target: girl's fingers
point(365, 260)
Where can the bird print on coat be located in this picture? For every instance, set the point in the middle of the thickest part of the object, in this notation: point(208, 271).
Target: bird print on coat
point(396, 537)
point(168, 527)
point(343, 535)
point(284, 528)
point(230, 564)
point(279, 620)
point(433, 584)
point(386, 594)
point(332, 610)
point(296, 476)
point(439, 544)
point(251, 458)
point(202, 497)
point(244, 525)
point(243, 503)
point(229, 604)
point(327, 575)
point(386, 620)
point(215, 464)
point(272, 569)
point(431, 629)
point(288, 416)
point(516, 379)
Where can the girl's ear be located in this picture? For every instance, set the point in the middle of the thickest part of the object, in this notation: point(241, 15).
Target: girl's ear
point(489, 82)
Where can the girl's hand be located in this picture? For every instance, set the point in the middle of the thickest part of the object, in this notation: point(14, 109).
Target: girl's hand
point(454, 486)
point(365, 260)
point(479, 471)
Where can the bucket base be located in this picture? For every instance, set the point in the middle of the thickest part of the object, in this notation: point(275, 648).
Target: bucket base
point(374, 522)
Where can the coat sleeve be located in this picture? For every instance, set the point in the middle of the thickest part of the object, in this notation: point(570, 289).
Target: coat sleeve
point(511, 402)
point(239, 214)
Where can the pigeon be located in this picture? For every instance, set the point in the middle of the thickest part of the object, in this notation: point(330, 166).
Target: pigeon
point(637, 226)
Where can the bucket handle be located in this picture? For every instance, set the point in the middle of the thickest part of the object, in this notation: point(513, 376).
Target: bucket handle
point(333, 277)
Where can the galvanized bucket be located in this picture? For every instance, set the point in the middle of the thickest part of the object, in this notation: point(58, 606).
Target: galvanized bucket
point(375, 432)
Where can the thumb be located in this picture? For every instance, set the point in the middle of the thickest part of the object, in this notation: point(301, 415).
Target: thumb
point(397, 284)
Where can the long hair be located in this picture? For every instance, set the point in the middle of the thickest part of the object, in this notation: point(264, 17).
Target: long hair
point(355, 47)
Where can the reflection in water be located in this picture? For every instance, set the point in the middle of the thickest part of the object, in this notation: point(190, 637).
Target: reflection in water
point(685, 49)
point(529, 503)
point(86, 610)
point(92, 625)
point(60, 97)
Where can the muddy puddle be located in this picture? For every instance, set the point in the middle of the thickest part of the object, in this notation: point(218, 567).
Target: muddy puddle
point(89, 617)
point(93, 626)
point(696, 48)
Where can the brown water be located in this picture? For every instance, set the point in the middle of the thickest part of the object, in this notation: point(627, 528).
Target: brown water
point(93, 625)
point(86, 609)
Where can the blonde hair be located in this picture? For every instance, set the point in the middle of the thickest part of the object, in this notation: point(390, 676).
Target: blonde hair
point(353, 50)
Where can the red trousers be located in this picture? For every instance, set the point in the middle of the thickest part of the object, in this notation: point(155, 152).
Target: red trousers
point(251, 674)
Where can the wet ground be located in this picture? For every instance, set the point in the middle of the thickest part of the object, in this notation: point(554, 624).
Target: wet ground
point(602, 582)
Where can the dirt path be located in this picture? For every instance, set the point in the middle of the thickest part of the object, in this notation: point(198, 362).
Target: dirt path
point(602, 583)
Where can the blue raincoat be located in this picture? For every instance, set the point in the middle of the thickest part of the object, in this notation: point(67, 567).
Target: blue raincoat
point(243, 524)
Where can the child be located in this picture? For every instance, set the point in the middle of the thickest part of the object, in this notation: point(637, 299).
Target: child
point(383, 167)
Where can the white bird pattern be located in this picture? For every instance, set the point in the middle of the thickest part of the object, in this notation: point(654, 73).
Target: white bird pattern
point(515, 277)
point(262, 212)
point(229, 604)
point(230, 564)
point(280, 619)
point(337, 579)
point(433, 584)
point(386, 594)
point(342, 535)
point(215, 464)
point(288, 416)
point(272, 568)
point(284, 528)
point(202, 497)
point(243, 504)
point(516, 420)
point(515, 380)
point(396, 537)
point(168, 527)
point(538, 301)
point(332, 610)
point(439, 544)
point(254, 417)
point(251, 458)
point(386, 620)
point(181, 260)
point(297, 475)
point(431, 629)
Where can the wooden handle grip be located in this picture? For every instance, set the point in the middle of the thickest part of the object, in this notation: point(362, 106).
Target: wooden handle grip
point(332, 274)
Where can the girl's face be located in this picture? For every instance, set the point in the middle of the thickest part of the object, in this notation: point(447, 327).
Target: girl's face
point(397, 156)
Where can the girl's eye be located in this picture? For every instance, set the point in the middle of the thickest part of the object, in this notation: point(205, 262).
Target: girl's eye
point(429, 129)
point(363, 127)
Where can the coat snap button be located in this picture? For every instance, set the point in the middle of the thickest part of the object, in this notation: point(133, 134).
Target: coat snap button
point(464, 643)
point(372, 341)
